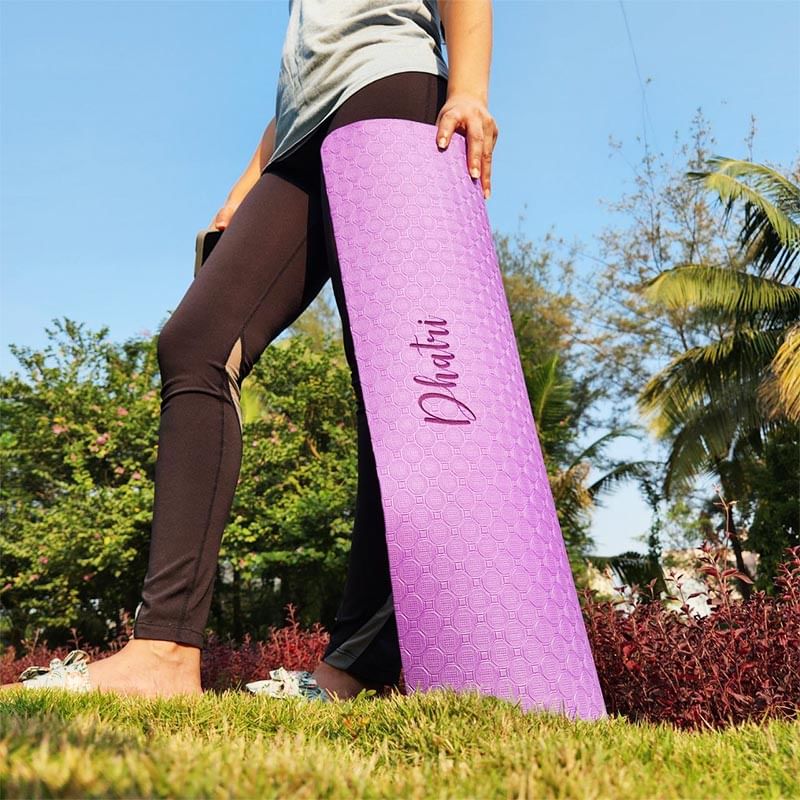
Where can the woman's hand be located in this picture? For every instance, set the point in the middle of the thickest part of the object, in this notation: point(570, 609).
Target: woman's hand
point(223, 216)
point(468, 24)
point(248, 179)
point(468, 112)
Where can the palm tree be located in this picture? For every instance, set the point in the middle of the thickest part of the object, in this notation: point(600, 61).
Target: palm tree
point(551, 396)
point(769, 240)
point(716, 402)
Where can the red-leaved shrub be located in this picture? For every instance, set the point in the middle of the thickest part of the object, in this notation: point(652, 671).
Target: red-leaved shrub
point(740, 662)
point(224, 665)
point(39, 653)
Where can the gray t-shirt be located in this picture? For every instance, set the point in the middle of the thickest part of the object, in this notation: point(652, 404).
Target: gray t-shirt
point(335, 47)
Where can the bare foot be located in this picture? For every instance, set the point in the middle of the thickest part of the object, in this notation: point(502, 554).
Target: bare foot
point(147, 668)
point(341, 685)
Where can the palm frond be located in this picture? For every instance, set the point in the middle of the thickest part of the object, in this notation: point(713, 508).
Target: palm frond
point(632, 568)
point(734, 295)
point(780, 391)
point(571, 496)
point(549, 393)
point(592, 450)
point(618, 474)
point(711, 373)
point(705, 439)
point(771, 232)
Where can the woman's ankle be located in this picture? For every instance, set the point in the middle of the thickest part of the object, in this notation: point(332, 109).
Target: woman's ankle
point(166, 650)
point(324, 667)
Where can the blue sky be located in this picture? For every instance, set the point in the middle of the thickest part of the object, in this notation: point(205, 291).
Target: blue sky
point(124, 125)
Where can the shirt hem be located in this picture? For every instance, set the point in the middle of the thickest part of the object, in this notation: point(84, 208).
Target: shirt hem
point(350, 90)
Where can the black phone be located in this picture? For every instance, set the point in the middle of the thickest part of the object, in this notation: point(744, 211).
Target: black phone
point(203, 245)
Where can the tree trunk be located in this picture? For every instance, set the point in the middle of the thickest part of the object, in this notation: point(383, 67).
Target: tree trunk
point(730, 527)
point(744, 587)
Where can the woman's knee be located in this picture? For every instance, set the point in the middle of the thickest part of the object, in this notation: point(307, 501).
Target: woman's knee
point(184, 347)
point(189, 357)
point(171, 346)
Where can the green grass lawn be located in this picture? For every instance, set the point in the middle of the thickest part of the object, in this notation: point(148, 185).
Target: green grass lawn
point(438, 744)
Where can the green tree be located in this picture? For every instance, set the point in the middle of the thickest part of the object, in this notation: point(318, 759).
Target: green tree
point(292, 515)
point(79, 448)
point(716, 403)
point(546, 308)
point(775, 478)
point(79, 431)
point(667, 222)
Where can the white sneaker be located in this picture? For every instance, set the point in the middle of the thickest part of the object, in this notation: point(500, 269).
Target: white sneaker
point(290, 683)
point(72, 673)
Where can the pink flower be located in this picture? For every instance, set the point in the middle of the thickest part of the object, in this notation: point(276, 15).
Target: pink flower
point(58, 428)
point(122, 412)
point(119, 470)
point(101, 439)
point(43, 560)
point(136, 475)
point(35, 576)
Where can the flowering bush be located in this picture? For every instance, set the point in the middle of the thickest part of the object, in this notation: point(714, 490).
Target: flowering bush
point(79, 432)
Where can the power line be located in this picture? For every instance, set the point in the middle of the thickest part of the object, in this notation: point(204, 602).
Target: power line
point(645, 107)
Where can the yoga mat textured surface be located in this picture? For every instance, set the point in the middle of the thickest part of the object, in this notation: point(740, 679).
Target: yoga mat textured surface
point(483, 592)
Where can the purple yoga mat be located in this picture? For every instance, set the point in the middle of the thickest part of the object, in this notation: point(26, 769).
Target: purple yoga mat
point(483, 592)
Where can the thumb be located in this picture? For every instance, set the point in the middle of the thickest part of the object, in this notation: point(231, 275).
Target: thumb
point(223, 217)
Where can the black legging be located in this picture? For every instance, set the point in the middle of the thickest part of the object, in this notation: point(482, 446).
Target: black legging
point(272, 261)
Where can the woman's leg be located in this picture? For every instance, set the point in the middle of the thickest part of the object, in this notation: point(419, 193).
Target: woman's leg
point(269, 264)
point(256, 282)
point(364, 639)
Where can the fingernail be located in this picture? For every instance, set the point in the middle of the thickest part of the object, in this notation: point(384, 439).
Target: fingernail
point(475, 172)
point(442, 140)
point(486, 194)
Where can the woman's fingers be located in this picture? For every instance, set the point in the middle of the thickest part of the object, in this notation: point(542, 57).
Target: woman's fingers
point(446, 124)
point(223, 217)
point(474, 126)
point(490, 137)
point(220, 221)
point(480, 130)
